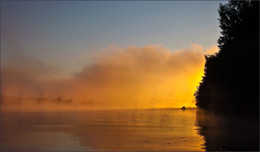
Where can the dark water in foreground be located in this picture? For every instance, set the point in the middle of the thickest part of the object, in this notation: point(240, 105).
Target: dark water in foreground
point(121, 130)
point(124, 130)
point(228, 133)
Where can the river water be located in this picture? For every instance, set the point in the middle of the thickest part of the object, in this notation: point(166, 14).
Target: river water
point(101, 130)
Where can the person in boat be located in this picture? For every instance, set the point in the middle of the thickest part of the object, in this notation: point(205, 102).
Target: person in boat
point(183, 108)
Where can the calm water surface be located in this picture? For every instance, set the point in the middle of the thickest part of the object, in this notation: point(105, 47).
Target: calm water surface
point(107, 130)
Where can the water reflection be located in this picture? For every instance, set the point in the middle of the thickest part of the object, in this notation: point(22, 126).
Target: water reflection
point(228, 133)
point(121, 130)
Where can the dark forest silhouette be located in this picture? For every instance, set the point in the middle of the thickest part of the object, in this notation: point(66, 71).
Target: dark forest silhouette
point(231, 82)
point(228, 96)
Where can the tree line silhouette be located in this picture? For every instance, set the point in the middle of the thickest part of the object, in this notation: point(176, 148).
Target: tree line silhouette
point(230, 85)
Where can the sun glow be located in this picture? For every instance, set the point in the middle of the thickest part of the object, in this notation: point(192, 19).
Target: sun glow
point(132, 77)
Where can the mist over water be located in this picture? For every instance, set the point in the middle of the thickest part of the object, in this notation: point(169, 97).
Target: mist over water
point(133, 77)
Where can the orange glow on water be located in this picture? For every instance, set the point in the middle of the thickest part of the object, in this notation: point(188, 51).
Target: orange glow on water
point(106, 130)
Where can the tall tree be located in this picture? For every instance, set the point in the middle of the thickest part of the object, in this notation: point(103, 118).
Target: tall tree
point(231, 81)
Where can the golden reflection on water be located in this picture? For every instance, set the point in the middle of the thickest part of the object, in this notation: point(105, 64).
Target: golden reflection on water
point(108, 130)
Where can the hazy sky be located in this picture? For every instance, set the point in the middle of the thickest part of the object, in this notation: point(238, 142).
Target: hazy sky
point(118, 54)
point(55, 31)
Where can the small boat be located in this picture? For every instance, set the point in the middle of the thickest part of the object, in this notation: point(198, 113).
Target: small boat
point(183, 108)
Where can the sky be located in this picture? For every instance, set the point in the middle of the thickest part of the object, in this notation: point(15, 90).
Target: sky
point(65, 40)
